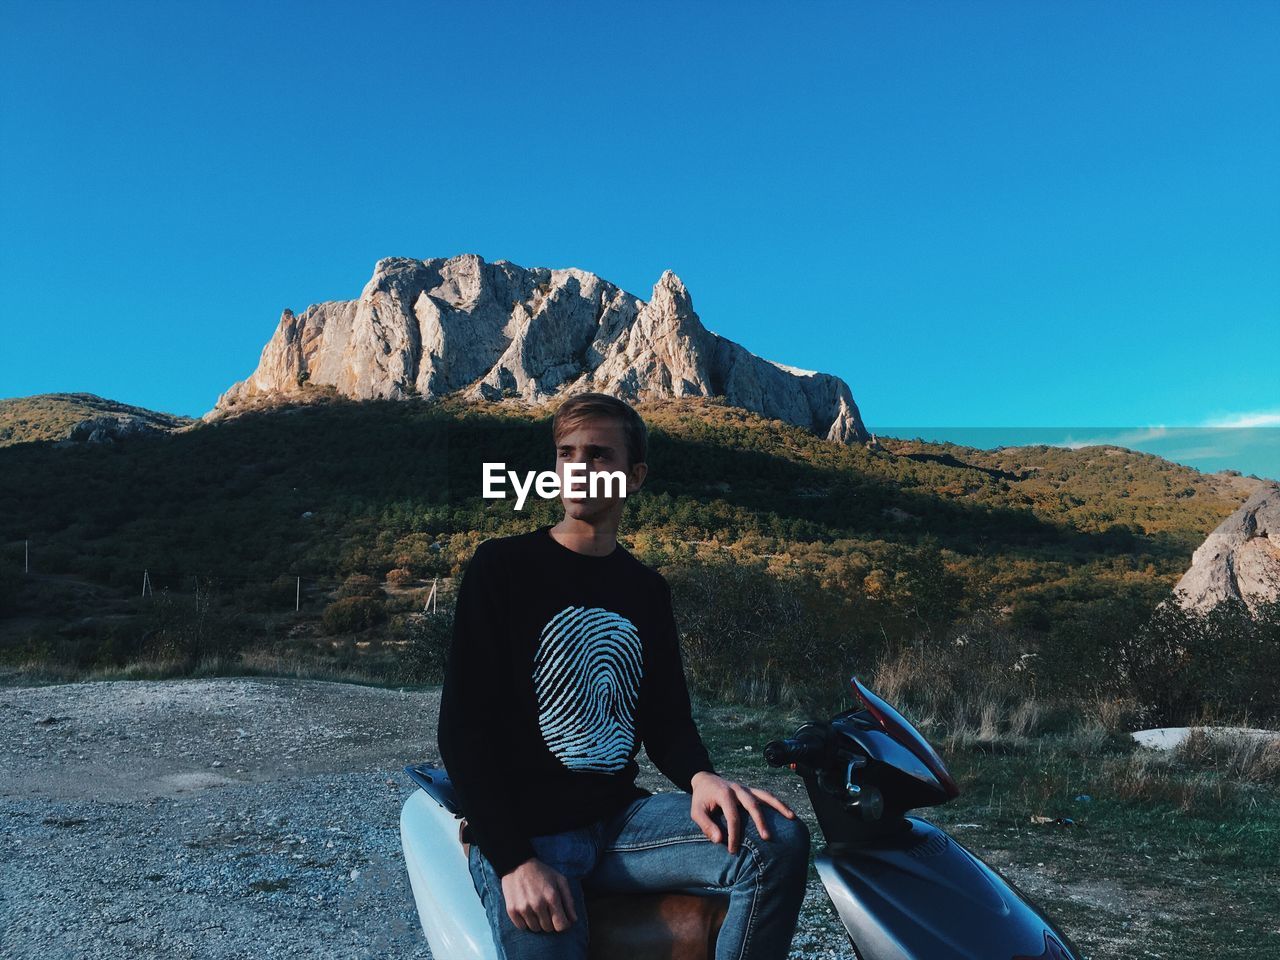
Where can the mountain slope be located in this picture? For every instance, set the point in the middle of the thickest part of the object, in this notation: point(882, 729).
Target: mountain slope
point(328, 489)
point(79, 417)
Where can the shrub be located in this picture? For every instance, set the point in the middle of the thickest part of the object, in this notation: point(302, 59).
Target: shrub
point(352, 614)
point(275, 596)
point(920, 586)
point(1081, 651)
point(1181, 664)
point(360, 585)
point(427, 638)
point(187, 628)
point(399, 575)
point(749, 636)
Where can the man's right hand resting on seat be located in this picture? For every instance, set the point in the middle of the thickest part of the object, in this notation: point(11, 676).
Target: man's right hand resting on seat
point(538, 897)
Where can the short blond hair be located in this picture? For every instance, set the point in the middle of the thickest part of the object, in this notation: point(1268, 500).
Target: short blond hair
point(582, 406)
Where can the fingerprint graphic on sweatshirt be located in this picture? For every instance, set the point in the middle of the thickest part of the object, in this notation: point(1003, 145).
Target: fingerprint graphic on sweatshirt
point(587, 677)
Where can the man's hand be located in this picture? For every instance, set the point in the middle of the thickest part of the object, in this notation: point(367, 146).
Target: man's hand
point(538, 897)
point(711, 793)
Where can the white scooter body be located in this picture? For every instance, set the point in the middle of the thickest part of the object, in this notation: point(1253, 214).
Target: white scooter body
point(449, 908)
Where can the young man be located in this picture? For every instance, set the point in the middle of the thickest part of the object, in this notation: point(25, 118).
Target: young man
point(565, 657)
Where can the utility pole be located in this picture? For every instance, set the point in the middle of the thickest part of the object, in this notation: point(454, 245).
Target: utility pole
point(26, 560)
point(431, 598)
point(146, 584)
point(297, 600)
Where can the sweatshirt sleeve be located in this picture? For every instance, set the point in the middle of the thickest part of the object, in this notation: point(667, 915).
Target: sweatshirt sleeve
point(468, 732)
point(670, 736)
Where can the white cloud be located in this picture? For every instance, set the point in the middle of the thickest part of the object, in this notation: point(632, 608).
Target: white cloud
point(1259, 418)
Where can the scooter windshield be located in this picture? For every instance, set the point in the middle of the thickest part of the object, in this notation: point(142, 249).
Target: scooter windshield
point(896, 726)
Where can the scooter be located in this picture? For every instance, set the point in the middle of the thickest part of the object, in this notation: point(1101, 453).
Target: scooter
point(903, 888)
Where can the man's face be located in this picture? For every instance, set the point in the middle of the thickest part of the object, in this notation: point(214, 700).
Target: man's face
point(601, 445)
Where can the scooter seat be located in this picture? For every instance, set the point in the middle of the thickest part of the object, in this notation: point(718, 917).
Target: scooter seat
point(655, 926)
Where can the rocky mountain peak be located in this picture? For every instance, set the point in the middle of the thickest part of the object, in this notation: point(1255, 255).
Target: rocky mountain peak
point(501, 332)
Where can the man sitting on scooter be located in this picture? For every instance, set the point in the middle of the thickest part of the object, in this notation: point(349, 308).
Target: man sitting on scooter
point(565, 658)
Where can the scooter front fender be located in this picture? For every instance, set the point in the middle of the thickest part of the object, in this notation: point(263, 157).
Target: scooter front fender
point(921, 895)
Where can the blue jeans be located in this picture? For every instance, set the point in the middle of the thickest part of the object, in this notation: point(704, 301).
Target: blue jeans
point(653, 844)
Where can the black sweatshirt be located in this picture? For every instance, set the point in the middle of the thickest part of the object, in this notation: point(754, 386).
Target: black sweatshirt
point(561, 665)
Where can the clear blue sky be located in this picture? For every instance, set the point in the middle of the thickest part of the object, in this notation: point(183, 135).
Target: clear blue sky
point(978, 214)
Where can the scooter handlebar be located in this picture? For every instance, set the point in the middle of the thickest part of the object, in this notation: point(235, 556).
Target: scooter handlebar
point(807, 750)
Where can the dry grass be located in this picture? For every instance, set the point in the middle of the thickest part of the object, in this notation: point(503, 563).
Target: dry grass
point(1239, 756)
point(1092, 737)
point(1115, 715)
point(978, 690)
point(1205, 773)
point(40, 672)
point(250, 663)
point(977, 681)
point(1024, 719)
point(1150, 776)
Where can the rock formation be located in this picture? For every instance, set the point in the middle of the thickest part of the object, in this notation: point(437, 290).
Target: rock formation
point(112, 427)
point(497, 331)
point(1241, 558)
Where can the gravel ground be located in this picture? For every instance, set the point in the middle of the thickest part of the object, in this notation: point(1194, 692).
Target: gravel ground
point(225, 818)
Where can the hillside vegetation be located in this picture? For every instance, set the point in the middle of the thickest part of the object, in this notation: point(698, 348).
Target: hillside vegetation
point(809, 557)
point(51, 416)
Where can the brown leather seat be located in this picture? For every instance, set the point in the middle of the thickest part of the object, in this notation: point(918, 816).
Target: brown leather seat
point(651, 926)
point(655, 926)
